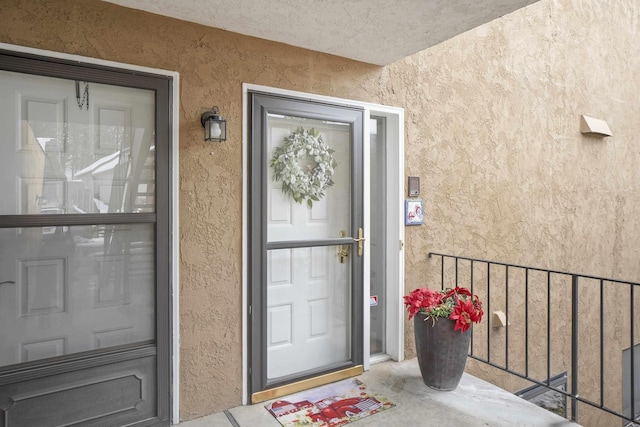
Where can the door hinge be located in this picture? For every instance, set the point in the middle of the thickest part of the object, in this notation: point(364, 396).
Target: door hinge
point(249, 309)
point(401, 244)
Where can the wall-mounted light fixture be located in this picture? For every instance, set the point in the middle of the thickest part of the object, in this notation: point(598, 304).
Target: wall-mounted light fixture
point(594, 127)
point(215, 126)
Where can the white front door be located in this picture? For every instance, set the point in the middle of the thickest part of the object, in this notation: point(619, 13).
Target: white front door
point(308, 288)
point(307, 270)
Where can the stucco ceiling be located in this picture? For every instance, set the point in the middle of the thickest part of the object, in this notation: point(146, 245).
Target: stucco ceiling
point(373, 31)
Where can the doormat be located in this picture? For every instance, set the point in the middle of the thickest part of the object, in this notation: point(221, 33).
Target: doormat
point(331, 405)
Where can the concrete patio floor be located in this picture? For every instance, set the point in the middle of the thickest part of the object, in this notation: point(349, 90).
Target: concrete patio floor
point(474, 403)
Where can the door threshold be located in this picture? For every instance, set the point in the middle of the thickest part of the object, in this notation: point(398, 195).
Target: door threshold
point(379, 358)
point(284, 390)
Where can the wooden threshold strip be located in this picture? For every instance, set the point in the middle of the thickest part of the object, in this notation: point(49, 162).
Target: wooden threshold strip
point(284, 390)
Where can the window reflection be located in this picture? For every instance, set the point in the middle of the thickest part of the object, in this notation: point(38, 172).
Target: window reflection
point(55, 181)
point(70, 289)
point(63, 159)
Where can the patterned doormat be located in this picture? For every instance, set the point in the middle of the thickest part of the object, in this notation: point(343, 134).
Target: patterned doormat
point(331, 405)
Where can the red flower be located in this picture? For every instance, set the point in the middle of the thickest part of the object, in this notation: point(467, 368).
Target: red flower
point(477, 304)
point(423, 298)
point(464, 313)
point(458, 304)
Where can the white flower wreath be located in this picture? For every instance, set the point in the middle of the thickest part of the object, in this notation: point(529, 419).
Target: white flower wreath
point(305, 164)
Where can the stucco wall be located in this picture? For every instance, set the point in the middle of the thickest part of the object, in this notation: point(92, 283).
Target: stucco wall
point(492, 128)
point(496, 124)
point(509, 177)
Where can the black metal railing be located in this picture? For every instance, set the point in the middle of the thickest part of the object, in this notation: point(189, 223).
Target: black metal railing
point(577, 307)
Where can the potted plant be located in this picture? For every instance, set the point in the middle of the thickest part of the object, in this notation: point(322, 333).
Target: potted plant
point(442, 322)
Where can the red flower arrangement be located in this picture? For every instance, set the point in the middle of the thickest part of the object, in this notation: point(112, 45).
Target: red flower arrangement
point(456, 304)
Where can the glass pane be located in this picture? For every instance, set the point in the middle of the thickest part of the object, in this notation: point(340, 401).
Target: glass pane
point(65, 290)
point(309, 178)
point(378, 289)
point(308, 310)
point(63, 154)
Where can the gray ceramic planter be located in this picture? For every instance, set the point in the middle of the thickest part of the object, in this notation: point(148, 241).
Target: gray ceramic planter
point(441, 351)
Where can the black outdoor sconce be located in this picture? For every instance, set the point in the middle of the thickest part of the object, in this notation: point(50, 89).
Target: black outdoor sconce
point(215, 126)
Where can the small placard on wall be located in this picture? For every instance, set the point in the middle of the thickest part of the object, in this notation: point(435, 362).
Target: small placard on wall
point(414, 212)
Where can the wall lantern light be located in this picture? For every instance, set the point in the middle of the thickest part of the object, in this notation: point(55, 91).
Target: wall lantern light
point(594, 127)
point(215, 126)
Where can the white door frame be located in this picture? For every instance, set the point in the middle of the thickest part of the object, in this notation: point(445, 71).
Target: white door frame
point(395, 221)
point(175, 287)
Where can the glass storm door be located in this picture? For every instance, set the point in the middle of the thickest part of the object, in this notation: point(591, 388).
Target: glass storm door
point(306, 255)
point(81, 285)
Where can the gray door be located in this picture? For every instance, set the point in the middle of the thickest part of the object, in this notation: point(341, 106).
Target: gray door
point(84, 229)
point(306, 256)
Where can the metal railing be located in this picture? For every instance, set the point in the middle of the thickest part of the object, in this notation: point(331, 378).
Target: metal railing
point(588, 306)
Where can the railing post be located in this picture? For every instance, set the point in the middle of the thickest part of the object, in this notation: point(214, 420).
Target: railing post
point(488, 311)
point(632, 357)
point(574, 347)
point(442, 272)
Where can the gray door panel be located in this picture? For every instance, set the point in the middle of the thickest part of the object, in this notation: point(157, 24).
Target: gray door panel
point(114, 394)
point(103, 359)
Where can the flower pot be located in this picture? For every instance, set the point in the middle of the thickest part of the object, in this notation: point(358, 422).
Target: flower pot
point(441, 351)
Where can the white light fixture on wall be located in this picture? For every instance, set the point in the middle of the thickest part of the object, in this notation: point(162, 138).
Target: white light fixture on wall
point(215, 126)
point(594, 127)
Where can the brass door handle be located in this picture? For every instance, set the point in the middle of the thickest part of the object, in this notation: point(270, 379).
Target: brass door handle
point(360, 241)
point(343, 250)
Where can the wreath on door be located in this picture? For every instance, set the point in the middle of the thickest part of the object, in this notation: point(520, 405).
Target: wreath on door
point(305, 165)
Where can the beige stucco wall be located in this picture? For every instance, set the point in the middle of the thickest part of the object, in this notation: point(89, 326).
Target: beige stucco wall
point(492, 128)
point(512, 179)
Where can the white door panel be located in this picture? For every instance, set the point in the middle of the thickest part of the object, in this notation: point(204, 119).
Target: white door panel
point(306, 317)
point(308, 289)
point(288, 220)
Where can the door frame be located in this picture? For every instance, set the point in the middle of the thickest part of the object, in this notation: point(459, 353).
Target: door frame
point(395, 221)
point(174, 350)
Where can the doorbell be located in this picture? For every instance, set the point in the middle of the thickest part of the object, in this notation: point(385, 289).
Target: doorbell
point(414, 186)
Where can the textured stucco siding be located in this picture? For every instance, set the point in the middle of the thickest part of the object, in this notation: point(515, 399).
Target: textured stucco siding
point(491, 127)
